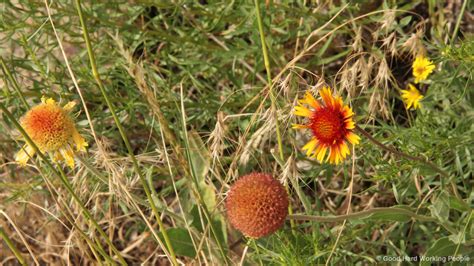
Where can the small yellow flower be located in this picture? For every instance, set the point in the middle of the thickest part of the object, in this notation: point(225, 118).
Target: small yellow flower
point(422, 68)
point(52, 129)
point(412, 97)
point(331, 125)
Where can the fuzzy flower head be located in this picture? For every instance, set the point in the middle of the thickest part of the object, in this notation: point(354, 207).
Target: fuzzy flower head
point(331, 125)
point(412, 97)
point(422, 68)
point(52, 129)
point(257, 205)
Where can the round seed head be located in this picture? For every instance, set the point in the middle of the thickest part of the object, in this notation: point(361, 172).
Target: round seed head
point(257, 205)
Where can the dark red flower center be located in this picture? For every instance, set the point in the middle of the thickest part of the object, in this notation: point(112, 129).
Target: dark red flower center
point(328, 125)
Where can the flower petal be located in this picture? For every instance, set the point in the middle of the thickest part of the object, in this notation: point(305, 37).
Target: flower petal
point(80, 142)
point(353, 138)
point(309, 147)
point(349, 124)
point(302, 111)
point(347, 112)
point(344, 150)
point(68, 155)
point(299, 126)
point(309, 99)
point(327, 96)
point(69, 106)
point(47, 100)
point(24, 154)
point(320, 153)
point(334, 155)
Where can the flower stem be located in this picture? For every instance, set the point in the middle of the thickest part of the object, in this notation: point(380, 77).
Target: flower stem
point(12, 247)
point(358, 215)
point(14, 83)
point(269, 77)
point(272, 95)
point(411, 157)
point(136, 167)
point(401, 154)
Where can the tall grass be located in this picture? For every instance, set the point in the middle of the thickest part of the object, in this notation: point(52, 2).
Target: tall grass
point(180, 98)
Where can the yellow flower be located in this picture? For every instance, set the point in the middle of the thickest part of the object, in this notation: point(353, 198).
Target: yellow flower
point(330, 123)
point(52, 129)
point(422, 67)
point(412, 97)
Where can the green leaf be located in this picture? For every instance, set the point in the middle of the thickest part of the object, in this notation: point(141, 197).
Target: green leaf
point(181, 241)
point(443, 248)
point(218, 223)
point(458, 204)
point(200, 156)
point(208, 196)
point(459, 238)
point(396, 217)
point(440, 207)
point(404, 21)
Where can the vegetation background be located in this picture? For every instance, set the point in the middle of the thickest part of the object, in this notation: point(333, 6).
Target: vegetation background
point(190, 110)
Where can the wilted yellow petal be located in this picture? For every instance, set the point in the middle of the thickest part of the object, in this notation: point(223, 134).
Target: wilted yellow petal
point(68, 155)
point(24, 154)
point(69, 106)
point(80, 142)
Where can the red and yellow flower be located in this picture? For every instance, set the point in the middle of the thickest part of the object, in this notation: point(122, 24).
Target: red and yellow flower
point(331, 124)
point(52, 129)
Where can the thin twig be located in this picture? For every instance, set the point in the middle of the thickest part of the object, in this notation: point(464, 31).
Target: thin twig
point(401, 154)
point(272, 94)
point(125, 139)
point(12, 247)
point(358, 215)
point(62, 176)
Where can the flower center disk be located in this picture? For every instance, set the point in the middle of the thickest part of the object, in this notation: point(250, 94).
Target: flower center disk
point(48, 126)
point(328, 125)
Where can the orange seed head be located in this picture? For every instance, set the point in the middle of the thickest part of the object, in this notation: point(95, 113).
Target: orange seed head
point(257, 205)
point(49, 126)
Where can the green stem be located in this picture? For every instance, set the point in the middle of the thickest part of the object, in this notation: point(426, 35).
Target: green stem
point(358, 215)
point(411, 157)
point(458, 22)
point(14, 83)
point(12, 247)
point(401, 154)
point(266, 60)
point(136, 167)
point(62, 176)
point(198, 193)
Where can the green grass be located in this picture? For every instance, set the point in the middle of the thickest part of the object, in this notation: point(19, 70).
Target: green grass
point(178, 99)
